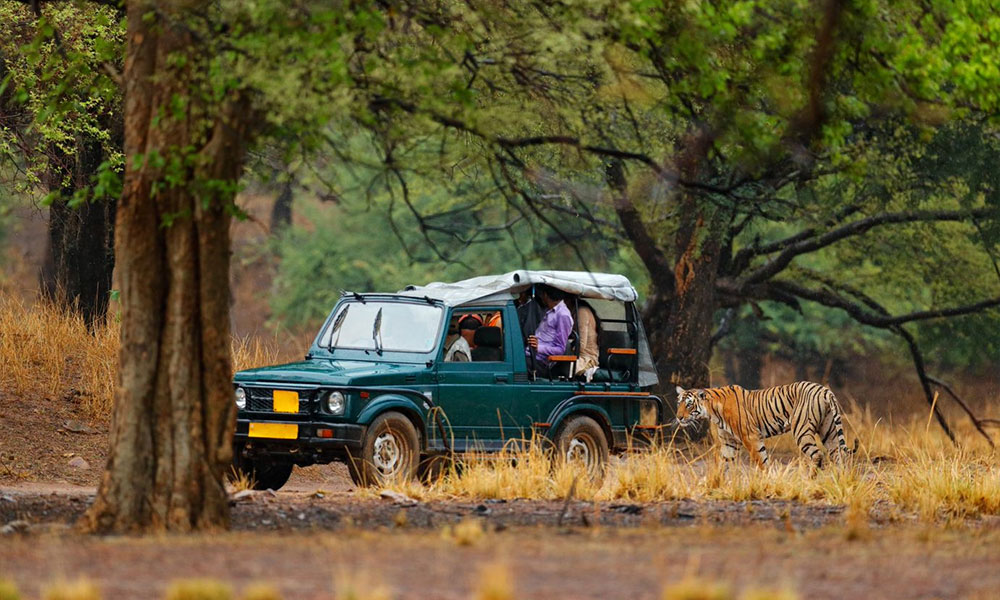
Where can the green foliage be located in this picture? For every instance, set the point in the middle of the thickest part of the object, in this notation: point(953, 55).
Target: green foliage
point(59, 86)
point(370, 240)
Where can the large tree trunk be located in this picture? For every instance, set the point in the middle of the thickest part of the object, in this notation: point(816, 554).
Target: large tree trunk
point(79, 255)
point(171, 440)
point(683, 346)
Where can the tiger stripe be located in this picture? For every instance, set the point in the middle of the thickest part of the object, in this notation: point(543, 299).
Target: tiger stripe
point(808, 410)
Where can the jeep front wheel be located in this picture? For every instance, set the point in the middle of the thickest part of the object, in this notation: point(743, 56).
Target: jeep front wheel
point(263, 474)
point(581, 441)
point(390, 452)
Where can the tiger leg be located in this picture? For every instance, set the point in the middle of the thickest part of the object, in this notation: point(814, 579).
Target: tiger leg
point(755, 446)
point(836, 445)
point(728, 446)
point(804, 421)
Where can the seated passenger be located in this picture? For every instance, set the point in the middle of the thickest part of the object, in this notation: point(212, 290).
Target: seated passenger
point(586, 325)
point(461, 349)
point(553, 332)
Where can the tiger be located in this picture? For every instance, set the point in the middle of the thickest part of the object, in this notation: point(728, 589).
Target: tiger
point(809, 410)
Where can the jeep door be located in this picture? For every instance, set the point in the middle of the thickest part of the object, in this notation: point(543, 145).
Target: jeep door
point(475, 395)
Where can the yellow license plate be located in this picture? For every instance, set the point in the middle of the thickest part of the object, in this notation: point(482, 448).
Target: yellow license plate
point(280, 431)
point(286, 402)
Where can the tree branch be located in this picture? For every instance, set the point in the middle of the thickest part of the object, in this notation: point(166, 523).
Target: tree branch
point(807, 241)
point(655, 260)
point(975, 421)
point(883, 320)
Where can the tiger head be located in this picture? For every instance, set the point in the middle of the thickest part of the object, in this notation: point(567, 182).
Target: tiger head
point(691, 404)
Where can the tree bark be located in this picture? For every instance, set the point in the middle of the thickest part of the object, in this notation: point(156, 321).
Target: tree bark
point(281, 211)
point(171, 439)
point(79, 254)
point(683, 345)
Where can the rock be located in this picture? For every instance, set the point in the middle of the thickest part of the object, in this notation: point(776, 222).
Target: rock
point(400, 499)
point(8, 498)
point(18, 526)
point(242, 495)
point(74, 426)
point(79, 463)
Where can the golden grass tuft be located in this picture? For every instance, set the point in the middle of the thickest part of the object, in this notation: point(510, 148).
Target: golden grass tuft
point(769, 594)
point(691, 588)
point(466, 532)
point(495, 583)
point(261, 591)
point(240, 481)
point(198, 589)
point(81, 589)
point(8, 590)
point(359, 586)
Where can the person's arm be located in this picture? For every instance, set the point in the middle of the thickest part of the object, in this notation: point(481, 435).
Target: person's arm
point(588, 340)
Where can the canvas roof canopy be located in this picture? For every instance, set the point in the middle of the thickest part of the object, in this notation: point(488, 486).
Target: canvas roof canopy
point(492, 288)
point(488, 288)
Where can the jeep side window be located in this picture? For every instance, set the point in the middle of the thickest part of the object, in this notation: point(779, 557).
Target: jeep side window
point(475, 336)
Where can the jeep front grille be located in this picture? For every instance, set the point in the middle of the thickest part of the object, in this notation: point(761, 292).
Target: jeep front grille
point(262, 400)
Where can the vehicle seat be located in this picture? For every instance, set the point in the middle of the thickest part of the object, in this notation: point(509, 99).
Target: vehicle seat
point(616, 360)
point(489, 344)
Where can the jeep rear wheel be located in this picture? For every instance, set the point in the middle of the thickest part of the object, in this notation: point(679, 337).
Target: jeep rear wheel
point(390, 452)
point(581, 441)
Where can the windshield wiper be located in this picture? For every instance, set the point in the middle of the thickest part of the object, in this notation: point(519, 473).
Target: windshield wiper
point(336, 327)
point(377, 332)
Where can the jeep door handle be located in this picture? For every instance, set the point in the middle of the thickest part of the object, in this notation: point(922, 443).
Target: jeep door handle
point(500, 378)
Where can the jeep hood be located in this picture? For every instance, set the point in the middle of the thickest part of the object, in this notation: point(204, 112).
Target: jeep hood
point(325, 372)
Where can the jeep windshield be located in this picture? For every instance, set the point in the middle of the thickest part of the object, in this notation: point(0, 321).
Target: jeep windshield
point(381, 326)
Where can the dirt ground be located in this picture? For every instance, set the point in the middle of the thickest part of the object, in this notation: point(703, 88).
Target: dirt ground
point(311, 537)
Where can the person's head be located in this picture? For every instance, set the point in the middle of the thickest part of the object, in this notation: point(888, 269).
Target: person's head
point(548, 295)
point(468, 325)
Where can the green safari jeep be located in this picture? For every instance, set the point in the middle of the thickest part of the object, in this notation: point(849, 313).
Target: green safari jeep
point(376, 392)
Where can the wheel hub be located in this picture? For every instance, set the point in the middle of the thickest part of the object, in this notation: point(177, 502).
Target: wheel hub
point(580, 451)
point(387, 453)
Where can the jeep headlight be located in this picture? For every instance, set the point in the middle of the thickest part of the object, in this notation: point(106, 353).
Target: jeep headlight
point(335, 403)
point(241, 398)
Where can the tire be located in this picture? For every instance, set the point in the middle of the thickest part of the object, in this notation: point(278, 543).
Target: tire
point(581, 440)
point(390, 452)
point(263, 475)
point(433, 468)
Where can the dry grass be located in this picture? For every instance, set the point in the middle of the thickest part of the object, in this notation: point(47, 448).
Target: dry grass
point(908, 468)
point(8, 591)
point(261, 591)
point(81, 589)
point(46, 350)
point(691, 588)
point(240, 481)
point(359, 586)
point(495, 583)
point(198, 589)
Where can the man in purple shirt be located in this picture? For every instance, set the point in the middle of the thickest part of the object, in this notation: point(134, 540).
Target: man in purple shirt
point(552, 335)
